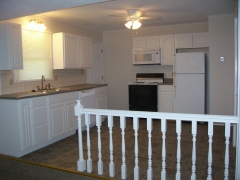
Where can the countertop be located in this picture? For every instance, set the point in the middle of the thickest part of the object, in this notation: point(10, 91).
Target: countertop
point(29, 94)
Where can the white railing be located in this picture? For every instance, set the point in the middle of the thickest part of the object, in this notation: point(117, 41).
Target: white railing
point(165, 117)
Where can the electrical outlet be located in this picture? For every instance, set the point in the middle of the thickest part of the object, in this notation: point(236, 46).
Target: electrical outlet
point(55, 78)
point(11, 81)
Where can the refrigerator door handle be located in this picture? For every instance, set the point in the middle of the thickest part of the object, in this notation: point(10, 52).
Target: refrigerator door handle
point(174, 85)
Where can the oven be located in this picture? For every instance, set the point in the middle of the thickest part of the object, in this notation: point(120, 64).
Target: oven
point(143, 97)
point(143, 94)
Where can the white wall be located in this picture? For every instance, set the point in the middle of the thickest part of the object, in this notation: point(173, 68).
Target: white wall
point(221, 30)
point(119, 70)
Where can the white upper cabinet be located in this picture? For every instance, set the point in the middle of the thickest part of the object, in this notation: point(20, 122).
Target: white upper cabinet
point(191, 40)
point(71, 51)
point(142, 42)
point(167, 49)
point(200, 40)
point(139, 42)
point(10, 46)
point(153, 41)
point(85, 52)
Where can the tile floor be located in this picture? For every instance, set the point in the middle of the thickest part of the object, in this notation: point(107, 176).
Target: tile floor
point(64, 153)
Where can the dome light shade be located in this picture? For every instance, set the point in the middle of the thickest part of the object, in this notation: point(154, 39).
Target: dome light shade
point(135, 24)
point(36, 25)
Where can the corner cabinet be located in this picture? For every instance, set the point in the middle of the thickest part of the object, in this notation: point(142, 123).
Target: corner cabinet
point(165, 98)
point(10, 46)
point(71, 51)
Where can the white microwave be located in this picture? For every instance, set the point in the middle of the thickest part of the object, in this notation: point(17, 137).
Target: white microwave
point(142, 56)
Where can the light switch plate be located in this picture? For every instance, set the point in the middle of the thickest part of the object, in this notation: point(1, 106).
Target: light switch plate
point(221, 59)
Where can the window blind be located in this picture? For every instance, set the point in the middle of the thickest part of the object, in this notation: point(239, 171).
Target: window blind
point(37, 56)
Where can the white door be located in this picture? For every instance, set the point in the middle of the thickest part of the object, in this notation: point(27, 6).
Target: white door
point(95, 73)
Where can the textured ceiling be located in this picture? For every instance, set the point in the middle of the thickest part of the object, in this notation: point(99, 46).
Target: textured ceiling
point(97, 16)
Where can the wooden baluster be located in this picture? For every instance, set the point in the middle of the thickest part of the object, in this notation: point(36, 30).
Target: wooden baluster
point(210, 134)
point(194, 132)
point(136, 168)
point(227, 135)
point(89, 161)
point(111, 164)
point(100, 163)
point(149, 128)
point(81, 163)
point(123, 167)
point(164, 130)
point(178, 131)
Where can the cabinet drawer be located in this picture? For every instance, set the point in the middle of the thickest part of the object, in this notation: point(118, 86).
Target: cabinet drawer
point(39, 101)
point(165, 88)
point(100, 90)
point(63, 97)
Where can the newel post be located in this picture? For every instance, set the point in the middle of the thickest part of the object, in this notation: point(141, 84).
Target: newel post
point(81, 163)
point(237, 172)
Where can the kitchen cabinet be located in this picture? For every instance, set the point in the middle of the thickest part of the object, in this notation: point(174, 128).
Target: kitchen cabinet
point(10, 46)
point(25, 125)
point(101, 97)
point(142, 42)
point(194, 40)
point(71, 51)
point(165, 98)
point(39, 120)
point(139, 42)
point(60, 108)
point(167, 49)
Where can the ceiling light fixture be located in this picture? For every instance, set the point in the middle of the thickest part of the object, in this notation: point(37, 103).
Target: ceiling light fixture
point(36, 25)
point(134, 24)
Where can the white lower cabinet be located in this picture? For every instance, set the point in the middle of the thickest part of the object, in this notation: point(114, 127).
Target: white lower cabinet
point(101, 97)
point(165, 98)
point(40, 120)
point(25, 131)
point(61, 109)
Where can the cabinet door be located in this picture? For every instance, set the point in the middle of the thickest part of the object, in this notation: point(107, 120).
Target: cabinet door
point(71, 119)
point(200, 40)
point(25, 125)
point(57, 117)
point(167, 49)
point(139, 42)
point(71, 51)
point(85, 52)
point(40, 124)
point(183, 40)
point(16, 46)
point(153, 41)
point(101, 101)
point(11, 46)
point(166, 102)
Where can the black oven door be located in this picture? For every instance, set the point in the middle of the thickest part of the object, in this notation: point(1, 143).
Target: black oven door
point(143, 97)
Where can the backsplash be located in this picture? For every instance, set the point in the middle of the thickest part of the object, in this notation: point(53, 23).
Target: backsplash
point(64, 78)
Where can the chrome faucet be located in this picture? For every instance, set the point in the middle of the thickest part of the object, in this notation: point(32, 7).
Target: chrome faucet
point(43, 79)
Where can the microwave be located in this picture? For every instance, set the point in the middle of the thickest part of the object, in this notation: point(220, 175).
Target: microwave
point(141, 56)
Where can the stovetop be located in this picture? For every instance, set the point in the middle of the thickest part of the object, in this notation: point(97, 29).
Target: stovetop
point(150, 78)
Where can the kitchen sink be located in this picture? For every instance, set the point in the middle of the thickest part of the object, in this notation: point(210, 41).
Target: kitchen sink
point(54, 90)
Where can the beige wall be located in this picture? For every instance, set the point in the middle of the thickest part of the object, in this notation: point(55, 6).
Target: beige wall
point(65, 77)
point(221, 30)
point(119, 70)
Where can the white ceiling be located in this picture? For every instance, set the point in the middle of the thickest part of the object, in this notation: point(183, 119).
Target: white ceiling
point(96, 16)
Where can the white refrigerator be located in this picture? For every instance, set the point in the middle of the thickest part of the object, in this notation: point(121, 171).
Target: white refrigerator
point(189, 83)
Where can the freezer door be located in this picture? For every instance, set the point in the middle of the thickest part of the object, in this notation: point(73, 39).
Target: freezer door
point(189, 63)
point(189, 93)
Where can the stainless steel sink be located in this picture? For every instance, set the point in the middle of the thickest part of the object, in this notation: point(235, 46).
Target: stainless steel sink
point(54, 90)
